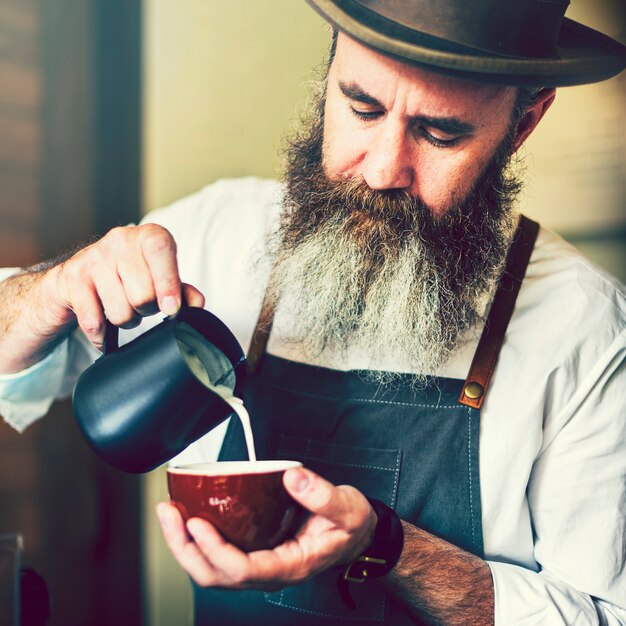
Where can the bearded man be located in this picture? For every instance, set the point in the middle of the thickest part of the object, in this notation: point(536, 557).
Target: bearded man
point(387, 346)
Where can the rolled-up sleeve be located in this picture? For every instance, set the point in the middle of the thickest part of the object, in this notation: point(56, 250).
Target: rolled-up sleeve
point(538, 599)
point(27, 395)
point(577, 499)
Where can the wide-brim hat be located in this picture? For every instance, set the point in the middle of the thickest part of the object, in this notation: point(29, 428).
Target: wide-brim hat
point(514, 42)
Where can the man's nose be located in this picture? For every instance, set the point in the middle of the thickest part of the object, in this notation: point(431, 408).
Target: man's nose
point(388, 162)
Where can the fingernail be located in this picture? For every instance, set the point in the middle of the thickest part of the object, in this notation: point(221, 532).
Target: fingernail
point(170, 305)
point(297, 479)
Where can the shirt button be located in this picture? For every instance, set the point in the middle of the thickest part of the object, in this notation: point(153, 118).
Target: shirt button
point(474, 391)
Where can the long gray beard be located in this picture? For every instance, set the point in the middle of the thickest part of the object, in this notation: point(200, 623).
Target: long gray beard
point(404, 319)
point(373, 273)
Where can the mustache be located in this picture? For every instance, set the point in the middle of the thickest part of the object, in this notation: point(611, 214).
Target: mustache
point(389, 216)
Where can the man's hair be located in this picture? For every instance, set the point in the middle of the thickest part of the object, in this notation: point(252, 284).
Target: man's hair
point(525, 97)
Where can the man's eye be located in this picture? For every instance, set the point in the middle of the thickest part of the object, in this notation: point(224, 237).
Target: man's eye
point(438, 141)
point(365, 115)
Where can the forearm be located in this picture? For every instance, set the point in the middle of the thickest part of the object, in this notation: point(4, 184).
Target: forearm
point(440, 583)
point(31, 321)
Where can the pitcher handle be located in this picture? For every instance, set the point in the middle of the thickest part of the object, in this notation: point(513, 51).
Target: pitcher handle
point(112, 332)
point(111, 335)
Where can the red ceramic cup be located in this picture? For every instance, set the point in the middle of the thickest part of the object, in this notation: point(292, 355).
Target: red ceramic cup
point(245, 500)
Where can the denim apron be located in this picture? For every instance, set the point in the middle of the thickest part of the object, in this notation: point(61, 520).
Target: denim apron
point(417, 450)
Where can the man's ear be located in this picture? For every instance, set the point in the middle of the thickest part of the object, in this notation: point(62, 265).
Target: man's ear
point(540, 104)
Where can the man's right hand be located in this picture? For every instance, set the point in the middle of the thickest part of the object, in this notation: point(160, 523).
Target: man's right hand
point(130, 273)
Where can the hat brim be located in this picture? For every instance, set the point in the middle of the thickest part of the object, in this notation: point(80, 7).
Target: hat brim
point(583, 55)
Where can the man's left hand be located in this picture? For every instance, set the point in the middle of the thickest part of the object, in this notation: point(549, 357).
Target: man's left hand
point(339, 528)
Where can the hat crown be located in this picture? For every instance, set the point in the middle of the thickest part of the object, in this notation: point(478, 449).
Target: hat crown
point(510, 42)
point(521, 28)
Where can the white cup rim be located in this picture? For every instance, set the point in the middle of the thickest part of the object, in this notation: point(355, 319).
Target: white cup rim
point(232, 468)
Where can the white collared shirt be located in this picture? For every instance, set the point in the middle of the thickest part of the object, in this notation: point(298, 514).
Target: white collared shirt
point(553, 426)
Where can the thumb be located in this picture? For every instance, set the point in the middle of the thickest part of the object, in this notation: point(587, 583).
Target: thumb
point(192, 296)
point(344, 506)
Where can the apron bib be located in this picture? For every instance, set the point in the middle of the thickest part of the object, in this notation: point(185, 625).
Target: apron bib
point(417, 450)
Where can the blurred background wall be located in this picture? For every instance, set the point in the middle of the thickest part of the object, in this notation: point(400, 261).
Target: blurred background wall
point(110, 108)
point(69, 169)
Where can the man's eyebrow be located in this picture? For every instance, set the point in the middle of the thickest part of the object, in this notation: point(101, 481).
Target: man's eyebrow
point(354, 92)
point(450, 125)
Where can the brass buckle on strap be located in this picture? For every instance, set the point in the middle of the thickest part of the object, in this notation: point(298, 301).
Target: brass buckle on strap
point(357, 571)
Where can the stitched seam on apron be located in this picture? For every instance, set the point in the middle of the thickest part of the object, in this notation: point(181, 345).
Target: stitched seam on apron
point(378, 467)
point(370, 401)
point(396, 479)
point(469, 466)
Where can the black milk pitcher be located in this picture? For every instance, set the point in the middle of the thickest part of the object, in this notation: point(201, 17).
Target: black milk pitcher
point(141, 404)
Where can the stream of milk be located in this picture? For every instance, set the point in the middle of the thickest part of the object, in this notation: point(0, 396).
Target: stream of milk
point(244, 418)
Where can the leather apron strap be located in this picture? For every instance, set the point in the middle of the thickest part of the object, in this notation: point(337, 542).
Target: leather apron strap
point(484, 361)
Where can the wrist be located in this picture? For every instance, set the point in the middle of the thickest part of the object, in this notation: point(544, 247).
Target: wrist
point(382, 554)
point(386, 544)
point(54, 314)
point(48, 319)
point(368, 536)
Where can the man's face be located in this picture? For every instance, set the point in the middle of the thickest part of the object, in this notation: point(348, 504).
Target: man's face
point(399, 127)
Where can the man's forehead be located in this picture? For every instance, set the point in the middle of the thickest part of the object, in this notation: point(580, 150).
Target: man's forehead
point(374, 71)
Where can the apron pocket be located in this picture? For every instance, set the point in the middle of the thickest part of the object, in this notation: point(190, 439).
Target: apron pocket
point(375, 473)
